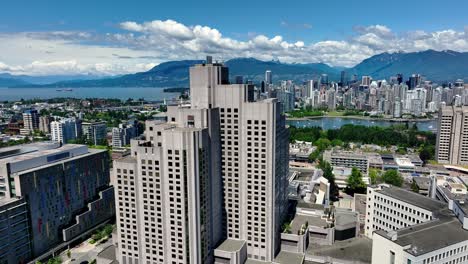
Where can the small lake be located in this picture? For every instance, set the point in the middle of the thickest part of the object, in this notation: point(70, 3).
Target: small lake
point(336, 122)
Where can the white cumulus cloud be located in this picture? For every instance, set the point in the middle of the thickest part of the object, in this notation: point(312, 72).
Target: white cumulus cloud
point(138, 46)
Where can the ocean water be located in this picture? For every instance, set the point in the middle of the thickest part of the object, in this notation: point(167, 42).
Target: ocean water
point(148, 93)
point(158, 94)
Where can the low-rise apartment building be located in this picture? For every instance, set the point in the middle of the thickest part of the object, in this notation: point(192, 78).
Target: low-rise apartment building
point(407, 227)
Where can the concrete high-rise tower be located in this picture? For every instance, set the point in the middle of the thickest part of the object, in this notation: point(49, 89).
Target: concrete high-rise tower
point(343, 79)
point(452, 140)
point(217, 170)
point(254, 154)
point(166, 204)
point(31, 120)
point(268, 78)
point(366, 80)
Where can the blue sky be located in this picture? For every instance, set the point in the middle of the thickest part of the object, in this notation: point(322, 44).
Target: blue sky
point(114, 37)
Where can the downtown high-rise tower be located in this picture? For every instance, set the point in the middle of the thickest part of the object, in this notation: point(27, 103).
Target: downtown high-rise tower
point(216, 171)
point(452, 135)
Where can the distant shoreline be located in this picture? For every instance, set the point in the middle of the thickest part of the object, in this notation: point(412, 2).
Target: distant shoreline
point(40, 86)
point(396, 120)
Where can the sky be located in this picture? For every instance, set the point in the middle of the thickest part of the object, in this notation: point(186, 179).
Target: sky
point(52, 37)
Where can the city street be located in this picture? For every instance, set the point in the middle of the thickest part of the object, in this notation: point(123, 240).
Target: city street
point(84, 253)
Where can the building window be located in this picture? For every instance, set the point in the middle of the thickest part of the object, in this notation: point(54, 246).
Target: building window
point(392, 257)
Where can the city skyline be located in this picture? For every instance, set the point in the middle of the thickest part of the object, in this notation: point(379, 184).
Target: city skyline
point(211, 180)
point(132, 39)
point(256, 132)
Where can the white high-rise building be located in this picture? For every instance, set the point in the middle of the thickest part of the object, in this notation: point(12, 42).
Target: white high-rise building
point(421, 94)
point(391, 208)
point(168, 199)
point(397, 108)
point(254, 152)
point(121, 135)
point(407, 227)
point(65, 130)
point(410, 95)
point(95, 132)
point(309, 89)
point(452, 142)
point(437, 97)
point(216, 170)
point(366, 80)
point(31, 120)
point(431, 107)
point(44, 124)
point(331, 99)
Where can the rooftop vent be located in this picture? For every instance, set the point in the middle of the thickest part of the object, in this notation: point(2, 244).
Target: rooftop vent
point(393, 235)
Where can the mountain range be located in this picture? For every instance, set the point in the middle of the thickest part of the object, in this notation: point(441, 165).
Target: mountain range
point(438, 66)
point(9, 80)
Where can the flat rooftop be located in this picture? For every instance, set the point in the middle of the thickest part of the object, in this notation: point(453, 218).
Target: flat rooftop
point(413, 198)
point(426, 237)
point(404, 162)
point(254, 261)
point(6, 200)
point(422, 182)
point(13, 151)
point(349, 154)
point(345, 217)
point(355, 249)
point(231, 245)
point(38, 152)
point(303, 174)
point(71, 158)
point(375, 159)
point(127, 159)
point(300, 219)
point(452, 196)
point(302, 204)
point(360, 202)
point(289, 258)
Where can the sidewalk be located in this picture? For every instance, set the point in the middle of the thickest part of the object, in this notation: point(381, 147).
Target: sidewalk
point(84, 253)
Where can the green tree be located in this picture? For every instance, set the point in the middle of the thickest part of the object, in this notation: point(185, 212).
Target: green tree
point(328, 174)
point(103, 142)
point(309, 134)
point(314, 155)
point(346, 145)
point(108, 230)
point(392, 177)
point(414, 187)
point(54, 260)
point(322, 143)
point(427, 152)
point(355, 182)
point(337, 142)
point(373, 176)
point(401, 150)
point(162, 108)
